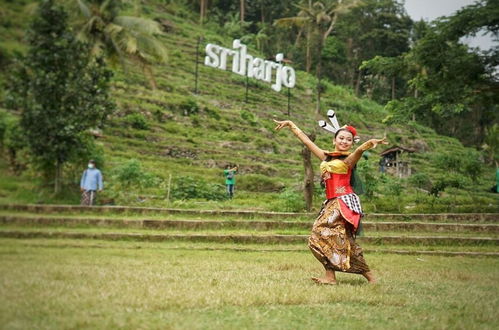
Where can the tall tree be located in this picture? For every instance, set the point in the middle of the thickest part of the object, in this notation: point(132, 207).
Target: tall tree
point(59, 89)
point(120, 38)
point(373, 28)
point(242, 10)
point(457, 86)
point(203, 9)
point(318, 19)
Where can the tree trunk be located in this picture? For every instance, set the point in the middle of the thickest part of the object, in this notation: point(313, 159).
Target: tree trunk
point(242, 10)
point(308, 182)
point(357, 82)
point(202, 11)
point(350, 68)
point(58, 177)
point(150, 76)
point(308, 55)
point(393, 88)
point(308, 64)
point(318, 72)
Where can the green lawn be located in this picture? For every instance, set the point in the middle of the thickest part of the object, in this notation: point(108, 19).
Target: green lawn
point(130, 285)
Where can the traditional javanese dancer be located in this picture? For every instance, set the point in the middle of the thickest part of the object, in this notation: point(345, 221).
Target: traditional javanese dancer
point(332, 240)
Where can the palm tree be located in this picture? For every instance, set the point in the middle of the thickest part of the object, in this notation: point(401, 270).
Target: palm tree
point(318, 19)
point(304, 24)
point(203, 9)
point(120, 38)
point(242, 11)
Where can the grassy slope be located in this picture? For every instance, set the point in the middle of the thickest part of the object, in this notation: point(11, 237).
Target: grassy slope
point(200, 145)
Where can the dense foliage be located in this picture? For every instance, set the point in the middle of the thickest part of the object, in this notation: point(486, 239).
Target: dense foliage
point(60, 92)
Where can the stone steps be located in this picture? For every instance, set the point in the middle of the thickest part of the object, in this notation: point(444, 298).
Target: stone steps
point(45, 209)
point(241, 238)
point(436, 234)
point(234, 224)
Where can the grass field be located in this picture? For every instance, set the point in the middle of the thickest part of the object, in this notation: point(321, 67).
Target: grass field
point(75, 284)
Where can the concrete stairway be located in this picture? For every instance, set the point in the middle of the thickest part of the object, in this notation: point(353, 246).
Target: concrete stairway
point(445, 234)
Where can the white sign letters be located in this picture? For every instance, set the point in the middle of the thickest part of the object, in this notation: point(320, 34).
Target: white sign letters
point(247, 65)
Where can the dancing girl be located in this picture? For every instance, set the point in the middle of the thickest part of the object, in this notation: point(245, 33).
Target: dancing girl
point(332, 240)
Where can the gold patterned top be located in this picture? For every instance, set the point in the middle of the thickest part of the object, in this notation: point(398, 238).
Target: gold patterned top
point(335, 165)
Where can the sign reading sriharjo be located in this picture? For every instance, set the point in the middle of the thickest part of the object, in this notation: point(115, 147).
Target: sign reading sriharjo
point(247, 65)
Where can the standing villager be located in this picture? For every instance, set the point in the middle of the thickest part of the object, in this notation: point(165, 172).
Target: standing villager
point(230, 179)
point(90, 183)
point(332, 240)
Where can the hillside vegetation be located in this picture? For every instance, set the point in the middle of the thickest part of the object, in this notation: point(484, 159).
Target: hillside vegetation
point(167, 147)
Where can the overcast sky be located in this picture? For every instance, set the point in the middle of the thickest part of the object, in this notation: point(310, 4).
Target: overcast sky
point(431, 9)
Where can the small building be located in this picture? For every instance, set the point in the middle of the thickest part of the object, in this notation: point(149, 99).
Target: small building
point(395, 161)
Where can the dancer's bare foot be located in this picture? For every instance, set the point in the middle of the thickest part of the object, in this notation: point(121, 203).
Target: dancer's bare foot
point(370, 277)
point(324, 280)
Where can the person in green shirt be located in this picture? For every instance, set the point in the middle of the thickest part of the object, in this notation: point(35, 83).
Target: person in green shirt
point(230, 179)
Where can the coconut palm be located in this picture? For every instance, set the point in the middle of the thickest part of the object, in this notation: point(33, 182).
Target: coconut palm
point(317, 19)
point(120, 38)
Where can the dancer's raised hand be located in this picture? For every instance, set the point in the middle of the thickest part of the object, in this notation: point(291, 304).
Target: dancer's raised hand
point(282, 124)
point(375, 142)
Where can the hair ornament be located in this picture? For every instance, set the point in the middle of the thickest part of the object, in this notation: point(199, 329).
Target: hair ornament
point(335, 126)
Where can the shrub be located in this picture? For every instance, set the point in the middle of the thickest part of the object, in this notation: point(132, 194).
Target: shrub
point(369, 176)
point(448, 161)
point(187, 187)
point(3, 126)
point(189, 107)
point(136, 120)
point(291, 201)
point(131, 174)
point(420, 180)
point(449, 180)
point(471, 164)
point(212, 113)
point(249, 117)
point(259, 183)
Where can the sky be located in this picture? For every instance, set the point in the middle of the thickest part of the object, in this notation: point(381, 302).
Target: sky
point(431, 9)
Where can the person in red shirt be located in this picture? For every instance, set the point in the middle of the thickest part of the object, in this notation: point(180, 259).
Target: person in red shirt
point(332, 240)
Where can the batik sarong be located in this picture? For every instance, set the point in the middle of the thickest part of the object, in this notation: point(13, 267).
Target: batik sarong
point(88, 197)
point(332, 241)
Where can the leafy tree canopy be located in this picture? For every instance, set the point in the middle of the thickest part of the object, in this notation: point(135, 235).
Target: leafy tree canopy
point(59, 90)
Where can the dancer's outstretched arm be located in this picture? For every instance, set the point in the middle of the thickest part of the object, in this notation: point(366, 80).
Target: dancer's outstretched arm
point(302, 136)
point(354, 157)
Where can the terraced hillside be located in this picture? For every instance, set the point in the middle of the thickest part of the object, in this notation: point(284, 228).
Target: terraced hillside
point(176, 134)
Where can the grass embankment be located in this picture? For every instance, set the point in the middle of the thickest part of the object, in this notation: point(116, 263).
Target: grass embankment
point(89, 285)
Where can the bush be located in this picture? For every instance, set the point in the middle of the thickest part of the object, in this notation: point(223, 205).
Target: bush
point(3, 126)
point(259, 183)
point(368, 173)
point(471, 164)
point(290, 201)
point(15, 146)
point(448, 161)
point(187, 187)
point(131, 174)
point(136, 120)
point(213, 113)
point(420, 180)
point(249, 117)
point(449, 180)
point(189, 107)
